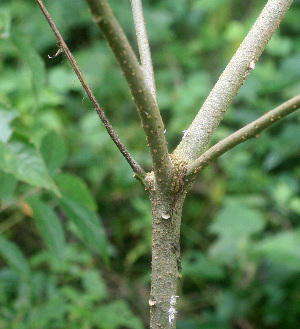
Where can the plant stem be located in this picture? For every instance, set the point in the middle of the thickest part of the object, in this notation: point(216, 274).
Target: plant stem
point(251, 130)
point(143, 43)
point(210, 115)
point(146, 105)
point(166, 261)
point(133, 164)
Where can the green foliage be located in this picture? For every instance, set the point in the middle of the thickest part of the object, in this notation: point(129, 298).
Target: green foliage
point(14, 257)
point(71, 295)
point(49, 226)
point(75, 227)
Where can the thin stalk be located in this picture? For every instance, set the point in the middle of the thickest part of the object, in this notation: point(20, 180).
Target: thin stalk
point(251, 130)
point(133, 164)
point(143, 44)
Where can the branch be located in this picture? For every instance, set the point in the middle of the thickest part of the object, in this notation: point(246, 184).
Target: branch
point(146, 105)
point(210, 115)
point(143, 43)
point(133, 164)
point(253, 129)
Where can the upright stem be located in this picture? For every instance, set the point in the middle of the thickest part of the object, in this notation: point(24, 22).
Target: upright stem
point(143, 43)
point(166, 261)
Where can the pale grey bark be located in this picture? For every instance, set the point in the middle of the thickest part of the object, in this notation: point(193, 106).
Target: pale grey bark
point(166, 261)
point(251, 130)
point(143, 44)
point(196, 138)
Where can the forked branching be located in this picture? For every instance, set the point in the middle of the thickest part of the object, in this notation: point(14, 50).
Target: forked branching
point(142, 85)
point(63, 46)
point(171, 179)
point(146, 104)
point(251, 130)
point(197, 137)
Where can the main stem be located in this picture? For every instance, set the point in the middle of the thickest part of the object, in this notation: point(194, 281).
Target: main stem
point(166, 262)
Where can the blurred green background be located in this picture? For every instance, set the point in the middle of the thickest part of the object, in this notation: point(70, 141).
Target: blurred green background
point(75, 227)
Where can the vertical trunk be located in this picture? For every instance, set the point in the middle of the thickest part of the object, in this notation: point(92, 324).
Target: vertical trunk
point(166, 262)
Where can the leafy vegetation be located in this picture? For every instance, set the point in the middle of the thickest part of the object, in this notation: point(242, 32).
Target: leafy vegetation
point(75, 227)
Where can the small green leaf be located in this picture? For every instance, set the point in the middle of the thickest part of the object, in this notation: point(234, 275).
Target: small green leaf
point(235, 223)
point(237, 220)
point(45, 314)
point(80, 207)
point(33, 60)
point(6, 117)
point(283, 247)
point(76, 188)
point(196, 265)
point(87, 222)
point(7, 186)
point(54, 151)
point(94, 285)
point(228, 248)
point(24, 162)
point(49, 225)
point(14, 257)
point(106, 317)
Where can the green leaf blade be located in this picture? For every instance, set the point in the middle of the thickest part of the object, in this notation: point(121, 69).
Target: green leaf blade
point(33, 60)
point(6, 117)
point(88, 224)
point(283, 248)
point(80, 207)
point(14, 257)
point(24, 162)
point(54, 151)
point(50, 226)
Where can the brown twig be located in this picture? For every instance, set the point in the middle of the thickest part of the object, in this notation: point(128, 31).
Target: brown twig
point(251, 130)
point(133, 164)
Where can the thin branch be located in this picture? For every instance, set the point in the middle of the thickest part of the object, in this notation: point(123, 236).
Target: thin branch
point(147, 107)
point(143, 43)
point(251, 130)
point(210, 115)
point(133, 164)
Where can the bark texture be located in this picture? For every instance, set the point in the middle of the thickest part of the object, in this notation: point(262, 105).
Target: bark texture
point(166, 262)
point(242, 63)
point(147, 107)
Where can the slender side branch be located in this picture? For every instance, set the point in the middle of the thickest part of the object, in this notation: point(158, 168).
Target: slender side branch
point(199, 133)
point(251, 130)
point(143, 43)
point(146, 104)
point(133, 164)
